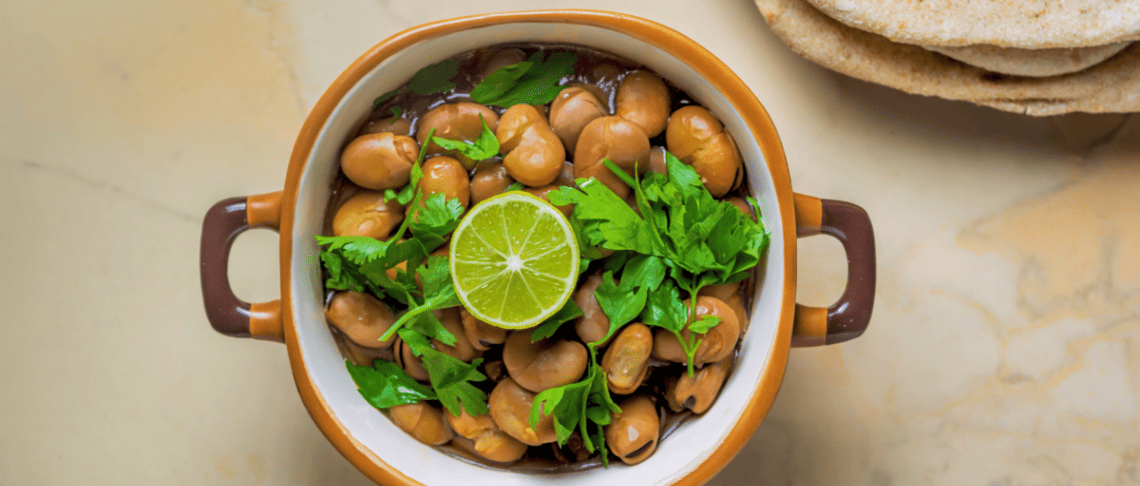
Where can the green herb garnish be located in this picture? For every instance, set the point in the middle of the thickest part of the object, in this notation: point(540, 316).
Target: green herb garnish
point(384, 98)
point(701, 241)
point(624, 302)
point(436, 78)
point(484, 147)
point(567, 313)
point(438, 294)
point(450, 377)
point(531, 82)
point(585, 405)
point(385, 385)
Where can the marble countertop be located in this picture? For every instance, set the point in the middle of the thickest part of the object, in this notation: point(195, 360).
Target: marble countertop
point(1004, 350)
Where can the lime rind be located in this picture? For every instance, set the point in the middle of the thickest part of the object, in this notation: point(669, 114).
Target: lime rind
point(514, 260)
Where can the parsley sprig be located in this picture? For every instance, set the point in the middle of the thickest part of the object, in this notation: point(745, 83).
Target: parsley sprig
point(385, 385)
point(682, 231)
point(483, 148)
point(585, 406)
point(532, 82)
point(362, 264)
point(450, 377)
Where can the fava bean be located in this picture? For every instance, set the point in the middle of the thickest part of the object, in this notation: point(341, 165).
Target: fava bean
point(632, 434)
point(490, 179)
point(510, 409)
point(592, 325)
point(716, 345)
point(367, 214)
point(489, 442)
point(616, 139)
point(697, 392)
point(360, 317)
point(455, 121)
point(379, 161)
point(571, 110)
point(626, 361)
point(543, 364)
point(422, 421)
point(643, 99)
point(534, 153)
point(697, 138)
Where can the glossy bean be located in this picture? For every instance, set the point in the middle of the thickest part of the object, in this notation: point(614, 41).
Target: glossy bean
point(697, 392)
point(534, 154)
point(743, 205)
point(455, 121)
point(544, 191)
point(500, 58)
point(657, 160)
point(379, 161)
point(697, 138)
point(544, 364)
point(510, 409)
point(360, 317)
point(616, 139)
point(626, 361)
point(398, 126)
point(632, 434)
point(571, 110)
point(592, 325)
point(488, 441)
point(490, 179)
point(445, 175)
point(480, 334)
point(730, 294)
point(716, 345)
point(422, 421)
point(643, 99)
point(367, 214)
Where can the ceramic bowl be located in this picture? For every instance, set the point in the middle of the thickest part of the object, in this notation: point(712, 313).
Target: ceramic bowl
point(700, 447)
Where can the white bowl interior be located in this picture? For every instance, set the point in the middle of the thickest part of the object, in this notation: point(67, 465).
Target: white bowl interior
point(677, 455)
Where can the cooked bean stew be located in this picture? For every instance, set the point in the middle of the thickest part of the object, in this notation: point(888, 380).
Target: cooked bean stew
point(572, 114)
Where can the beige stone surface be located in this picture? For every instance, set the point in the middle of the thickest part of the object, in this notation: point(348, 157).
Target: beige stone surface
point(1004, 350)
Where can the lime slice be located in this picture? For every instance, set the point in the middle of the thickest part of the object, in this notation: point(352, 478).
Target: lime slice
point(514, 260)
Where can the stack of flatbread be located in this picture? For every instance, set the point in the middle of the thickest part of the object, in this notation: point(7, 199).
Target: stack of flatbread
point(1039, 57)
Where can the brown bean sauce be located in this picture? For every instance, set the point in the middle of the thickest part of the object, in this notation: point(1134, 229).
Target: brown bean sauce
point(596, 68)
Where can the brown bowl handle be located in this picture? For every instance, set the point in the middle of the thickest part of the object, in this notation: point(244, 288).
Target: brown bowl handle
point(847, 318)
point(223, 223)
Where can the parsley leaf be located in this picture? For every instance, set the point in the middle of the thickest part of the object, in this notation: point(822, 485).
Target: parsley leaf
point(665, 309)
point(704, 324)
point(624, 302)
point(484, 147)
point(384, 98)
point(357, 263)
point(397, 112)
point(438, 294)
point(605, 219)
point(578, 405)
point(531, 82)
point(699, 239)
point(435, 219)
point(386, 385)
point(450, 377)
point(515, 186)
point(435, 78)
point(567, 313)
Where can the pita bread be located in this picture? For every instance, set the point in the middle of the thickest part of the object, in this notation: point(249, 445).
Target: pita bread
point(1110, 87)
point(1026, 24)
point(1031, 62)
